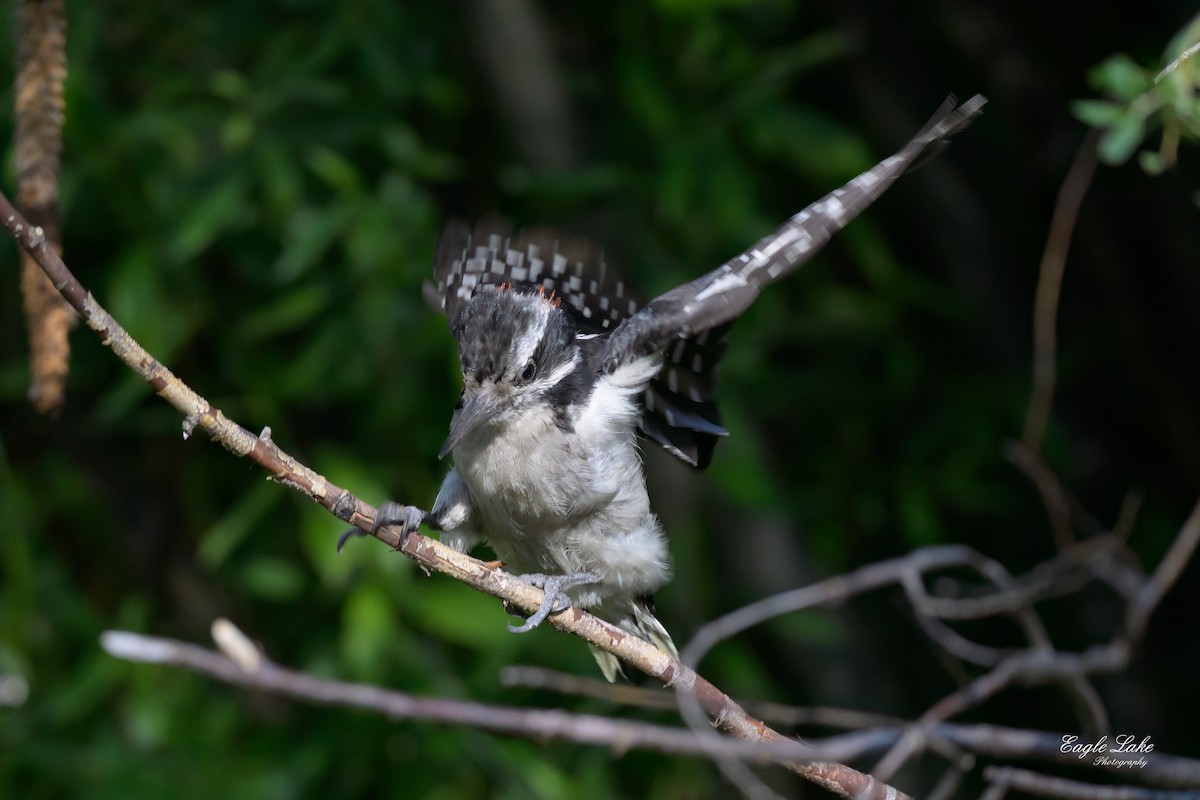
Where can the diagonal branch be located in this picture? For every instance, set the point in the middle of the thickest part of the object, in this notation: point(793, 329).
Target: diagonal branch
point(430, 554)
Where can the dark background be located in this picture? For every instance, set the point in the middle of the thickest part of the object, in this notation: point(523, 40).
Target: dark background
point(255, 190)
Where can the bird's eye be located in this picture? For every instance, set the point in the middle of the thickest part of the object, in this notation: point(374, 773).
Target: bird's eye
point(530, 371)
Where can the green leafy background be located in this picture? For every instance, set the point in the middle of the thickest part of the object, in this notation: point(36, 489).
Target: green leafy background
point(255, 190)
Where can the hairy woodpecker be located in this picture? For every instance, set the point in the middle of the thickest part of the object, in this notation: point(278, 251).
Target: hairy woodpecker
point(561, 365)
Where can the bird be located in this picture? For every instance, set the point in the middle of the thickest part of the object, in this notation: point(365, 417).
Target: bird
point(562, 366)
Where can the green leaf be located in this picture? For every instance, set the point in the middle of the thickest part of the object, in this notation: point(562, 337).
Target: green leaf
point(310, 234)
point(1152, 162)
point(290, 311)
point(368, 626)
point(457, 614)
point(1098, 113)
point(335, 170)
point(138, 297)
point(1119, 142)
point(272, 578)
point(238, 131)
point(1121, 77)
point(231, 528)
point(223, 207)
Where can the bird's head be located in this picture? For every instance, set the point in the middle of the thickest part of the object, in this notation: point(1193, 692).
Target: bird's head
point(517, 349)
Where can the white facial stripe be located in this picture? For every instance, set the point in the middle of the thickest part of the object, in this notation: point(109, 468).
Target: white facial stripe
point(561, 371)
point(526, 345)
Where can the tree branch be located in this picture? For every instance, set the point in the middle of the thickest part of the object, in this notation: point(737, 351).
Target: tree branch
point(233, 666)
point(1050, 276)
point(1039, 785)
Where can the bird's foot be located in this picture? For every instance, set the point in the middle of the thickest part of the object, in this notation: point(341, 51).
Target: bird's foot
point(408, 518)
point(556, 599)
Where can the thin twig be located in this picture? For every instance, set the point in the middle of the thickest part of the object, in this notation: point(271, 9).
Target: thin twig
point(1040, 785)
point(951, 780)
point(776, 714)
point(996, 741)
point(876, 576)
point(1055, 498)
point(1165, 574)
point(946, 637)
point(831, 590)
point(1064, 574)
point(876, 733)
point(1043, 664)
point(1050, 276)
point(621, 735)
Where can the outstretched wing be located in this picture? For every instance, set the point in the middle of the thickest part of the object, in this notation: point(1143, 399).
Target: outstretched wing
point(678, 409)
point(712, 301)
point(691, 322)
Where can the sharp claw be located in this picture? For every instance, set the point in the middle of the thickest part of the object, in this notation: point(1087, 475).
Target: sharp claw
point(345, 537)
point(538, 618)
point(556, 599)
point(407, 518)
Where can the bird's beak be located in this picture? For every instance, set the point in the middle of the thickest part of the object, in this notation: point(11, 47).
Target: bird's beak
point(476, 410)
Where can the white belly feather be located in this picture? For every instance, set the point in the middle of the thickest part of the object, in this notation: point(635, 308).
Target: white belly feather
point(557, 501)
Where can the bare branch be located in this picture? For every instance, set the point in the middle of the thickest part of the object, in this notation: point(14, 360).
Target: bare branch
point(1040, 663)
point(951, 780)
point(661, 699)
point(1040, 785)
point(1059, 576)
point(827, 592)
point(1165, 574)
point(1162, 769)
point(1045, 314)
point(949, 639)
point(262, 674)
point(879, 575)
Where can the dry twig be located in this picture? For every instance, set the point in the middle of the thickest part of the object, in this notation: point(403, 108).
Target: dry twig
point(1039, 785)
point(1045, 313)
point(232, 666)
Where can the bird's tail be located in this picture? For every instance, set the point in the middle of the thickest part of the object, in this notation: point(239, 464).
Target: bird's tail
point(636, 617)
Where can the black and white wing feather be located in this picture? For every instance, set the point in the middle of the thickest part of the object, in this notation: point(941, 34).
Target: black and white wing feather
point(678, 408)
point(716, 299)
point(539, 258)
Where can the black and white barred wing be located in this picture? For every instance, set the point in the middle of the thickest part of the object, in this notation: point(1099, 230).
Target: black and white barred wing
point(677, 406)
point(492, 255)
point(716, 299)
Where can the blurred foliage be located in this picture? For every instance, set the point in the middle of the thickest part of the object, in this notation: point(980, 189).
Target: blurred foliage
point(255, 191)
point(1140, 98)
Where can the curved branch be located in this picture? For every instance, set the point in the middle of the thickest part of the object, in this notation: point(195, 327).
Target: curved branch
point(1050, 277)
